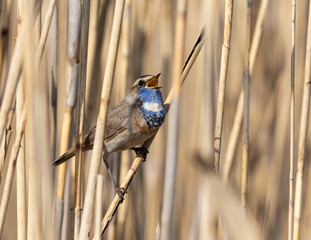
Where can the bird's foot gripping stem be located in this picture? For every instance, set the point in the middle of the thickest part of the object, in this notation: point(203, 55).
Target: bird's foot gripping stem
point(141, 152)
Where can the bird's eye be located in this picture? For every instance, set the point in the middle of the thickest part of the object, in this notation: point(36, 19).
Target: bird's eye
point(140, 83)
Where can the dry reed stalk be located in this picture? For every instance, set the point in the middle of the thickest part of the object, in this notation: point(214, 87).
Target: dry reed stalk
point(257, 35)
point(42, 39)
point(4, 25)
point(233, 138)
point(53, 83)
point(11, 170)
point(101, 121)
point(37, 25)
point(303, 132)
point(125, 49)
point(40, 179)
point(247, 79)
point(42, 133)
point(20, 169)
point(8, 130)
point(98, 206)
point(292, 127)
point(208, 85)
point(92, 41)
point(59, 203)
point(10, 113)
point(6, 10)
point(3, 48)
point(67, 212)
point(124, 76)
point(80, 111)
point(45, 31)
point(137, 161)
point(222, 80)
point(206, 226)
point(20, 166)
point(33, 222)
point(74, 19)
point(11, 84)
point(7, 111)
point(2, 156)
point(4, 44)
point(173, 125)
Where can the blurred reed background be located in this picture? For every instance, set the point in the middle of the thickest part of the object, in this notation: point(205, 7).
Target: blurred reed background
point(44, 202)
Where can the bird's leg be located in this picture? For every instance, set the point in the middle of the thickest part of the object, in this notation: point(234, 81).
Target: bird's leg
point(141, 152)
point(120, 191)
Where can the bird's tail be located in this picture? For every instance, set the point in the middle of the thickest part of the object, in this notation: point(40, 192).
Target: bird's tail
point(63, 158)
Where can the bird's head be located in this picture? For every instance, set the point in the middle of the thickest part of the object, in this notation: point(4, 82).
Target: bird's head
point(146, 81)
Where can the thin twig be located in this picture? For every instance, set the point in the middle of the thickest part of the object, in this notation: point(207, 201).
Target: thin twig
point(101, 121)
point(223, 80)
point(303, 132)
point(292, 127)
point(137, 161)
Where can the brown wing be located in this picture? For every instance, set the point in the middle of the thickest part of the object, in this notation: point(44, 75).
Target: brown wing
point(117, 121)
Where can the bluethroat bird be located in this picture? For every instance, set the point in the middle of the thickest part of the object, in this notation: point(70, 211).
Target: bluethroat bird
point(130, 123)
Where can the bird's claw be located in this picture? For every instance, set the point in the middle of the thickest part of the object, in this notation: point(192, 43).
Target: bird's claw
point(121, 192)
point(141, 152)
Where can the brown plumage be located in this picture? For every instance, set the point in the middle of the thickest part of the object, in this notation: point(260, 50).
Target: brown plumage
point(125, 127)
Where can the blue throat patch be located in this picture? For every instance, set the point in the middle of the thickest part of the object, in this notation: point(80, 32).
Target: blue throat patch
point(152, 96)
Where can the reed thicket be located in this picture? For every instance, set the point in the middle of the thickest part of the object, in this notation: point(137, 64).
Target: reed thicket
point(206, 176)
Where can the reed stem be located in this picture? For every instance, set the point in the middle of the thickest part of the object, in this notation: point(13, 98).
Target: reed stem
point(99, 206)
point(74, 21)
point(80, 110)
point(237, 123)
point(101, 121)
point(303, 132)
point(247, 79)
point(173, 125)
point(11, 170)
point(292, 127)
point(223, 80)
point(137, 161)
point(20, 166)
point(45, 31)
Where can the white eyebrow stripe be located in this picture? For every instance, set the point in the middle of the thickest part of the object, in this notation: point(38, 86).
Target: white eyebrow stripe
point(154, 107)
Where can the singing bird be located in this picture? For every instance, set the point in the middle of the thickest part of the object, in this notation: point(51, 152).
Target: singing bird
point(130, 123)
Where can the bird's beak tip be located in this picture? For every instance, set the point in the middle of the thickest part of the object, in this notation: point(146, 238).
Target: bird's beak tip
point(153, 83)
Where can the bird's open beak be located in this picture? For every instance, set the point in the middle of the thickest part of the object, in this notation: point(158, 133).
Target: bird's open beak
point(153, 83)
